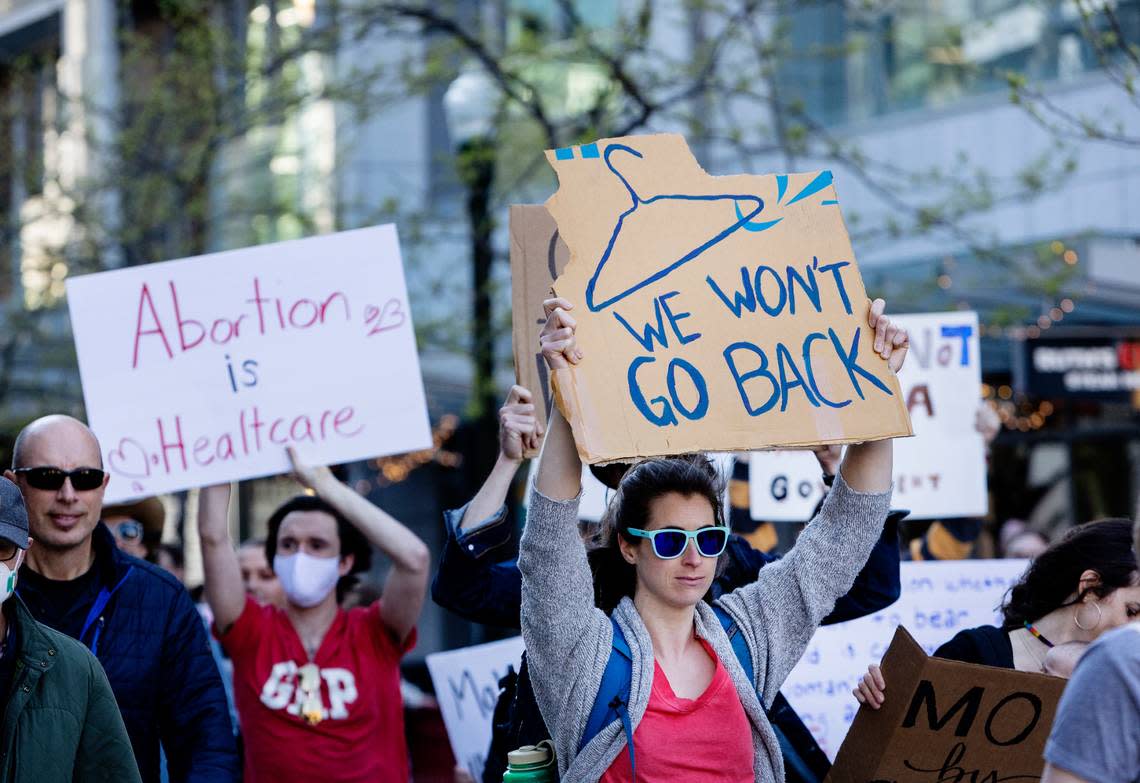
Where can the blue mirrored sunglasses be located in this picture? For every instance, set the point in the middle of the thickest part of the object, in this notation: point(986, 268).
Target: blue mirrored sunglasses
point(670, 542)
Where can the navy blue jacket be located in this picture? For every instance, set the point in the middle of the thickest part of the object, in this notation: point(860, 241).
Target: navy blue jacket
point(479, 588)
point(153, 645)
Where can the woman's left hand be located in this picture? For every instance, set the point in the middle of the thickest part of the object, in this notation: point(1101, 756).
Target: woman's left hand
point(891, 340)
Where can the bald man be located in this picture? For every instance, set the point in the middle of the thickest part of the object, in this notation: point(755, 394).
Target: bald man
point(137, 619)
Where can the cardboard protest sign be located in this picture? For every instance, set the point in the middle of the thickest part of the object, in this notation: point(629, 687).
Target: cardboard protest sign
point(941, 471)
point(938, 599)
point(714, 313)
point(945, 720)
point(467, 687)
point(538, 256)
point(203, 370)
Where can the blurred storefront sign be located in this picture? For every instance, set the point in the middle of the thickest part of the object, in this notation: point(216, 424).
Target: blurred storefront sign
point(1105, 367)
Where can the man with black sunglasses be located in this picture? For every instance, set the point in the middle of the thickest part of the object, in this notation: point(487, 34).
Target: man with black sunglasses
point(137, 619)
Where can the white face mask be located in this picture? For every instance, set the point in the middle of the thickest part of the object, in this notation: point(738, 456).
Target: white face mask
point(8, 576)
point(305, 579)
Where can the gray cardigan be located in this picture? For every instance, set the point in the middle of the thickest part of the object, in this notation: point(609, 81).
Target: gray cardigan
point(568, 639)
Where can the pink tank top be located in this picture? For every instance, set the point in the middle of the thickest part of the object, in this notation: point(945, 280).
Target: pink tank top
point(696, 740)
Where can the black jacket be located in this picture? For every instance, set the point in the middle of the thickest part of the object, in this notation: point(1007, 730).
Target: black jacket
point(153, 645)
point(986, 644)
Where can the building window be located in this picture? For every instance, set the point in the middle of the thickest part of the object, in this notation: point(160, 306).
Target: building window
point(32, 268)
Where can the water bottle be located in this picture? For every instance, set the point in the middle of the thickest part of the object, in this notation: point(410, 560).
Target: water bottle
point(532, 764)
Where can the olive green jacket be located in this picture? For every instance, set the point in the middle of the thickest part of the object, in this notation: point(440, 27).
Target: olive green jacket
point(61, 722)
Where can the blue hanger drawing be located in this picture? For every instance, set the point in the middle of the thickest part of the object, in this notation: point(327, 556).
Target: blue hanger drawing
point(743, 220)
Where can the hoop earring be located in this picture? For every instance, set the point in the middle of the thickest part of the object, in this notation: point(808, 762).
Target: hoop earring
point(1099, 617)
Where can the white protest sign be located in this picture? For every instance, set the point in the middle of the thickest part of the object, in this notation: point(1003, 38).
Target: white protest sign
point(467, 686)
point(784, 486)
point(938, 600)
point(203, 370)
point(939, 473)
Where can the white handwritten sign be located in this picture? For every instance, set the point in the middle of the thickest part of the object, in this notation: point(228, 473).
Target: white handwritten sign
point(467, 686)
point(785, 486)
point(204, 369)
point(938, 600)
point(941, 471)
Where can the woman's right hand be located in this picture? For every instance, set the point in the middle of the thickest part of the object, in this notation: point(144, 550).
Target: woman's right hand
point(560, 468)
point(870, 690)
point(557, 341)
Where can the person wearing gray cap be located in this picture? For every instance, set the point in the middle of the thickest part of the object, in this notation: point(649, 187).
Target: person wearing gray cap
point(60, 719)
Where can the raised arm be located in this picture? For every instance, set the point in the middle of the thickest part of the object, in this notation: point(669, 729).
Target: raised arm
point(779, 612)
point(519, 432)
point(406, 585)
point(867, 467)
point(225, 591)
point(560, 623)
point(477, 577)
point(559, 467)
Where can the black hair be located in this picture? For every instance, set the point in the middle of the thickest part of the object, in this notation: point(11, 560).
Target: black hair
point(611, 473)
point(1104, 547)
point(352, 541)
point(687, 475)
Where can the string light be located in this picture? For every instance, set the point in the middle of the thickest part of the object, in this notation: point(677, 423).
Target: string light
point(1070, 257)
point(395, 469)
point(1015, 410)
point(1067, 305)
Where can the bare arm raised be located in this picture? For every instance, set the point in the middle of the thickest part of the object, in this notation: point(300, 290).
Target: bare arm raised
point(225, 591)
point(406, 585)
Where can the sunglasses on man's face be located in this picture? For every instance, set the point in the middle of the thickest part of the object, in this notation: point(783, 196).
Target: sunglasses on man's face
point(51, 479)
point(670, 542)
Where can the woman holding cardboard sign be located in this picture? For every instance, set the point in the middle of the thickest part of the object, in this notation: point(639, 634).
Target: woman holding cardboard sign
point(668, 669)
